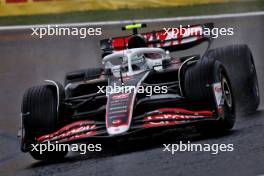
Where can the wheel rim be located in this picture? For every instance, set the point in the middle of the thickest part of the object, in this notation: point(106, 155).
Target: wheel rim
point(227, 92)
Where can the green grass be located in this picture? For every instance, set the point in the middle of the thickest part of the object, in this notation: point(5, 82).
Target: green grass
point(129, 14)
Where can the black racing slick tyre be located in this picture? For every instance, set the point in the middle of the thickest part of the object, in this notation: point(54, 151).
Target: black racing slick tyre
point(40, 117)
point(199, 79)
point(240, 67)
point(82, 75)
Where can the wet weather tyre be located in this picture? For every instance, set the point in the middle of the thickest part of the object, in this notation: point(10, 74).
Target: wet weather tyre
point(240, 67)
point(40, 106)
point(198, 81)
point(40, 116)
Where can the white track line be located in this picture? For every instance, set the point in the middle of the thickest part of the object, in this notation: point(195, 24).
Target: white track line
point(105, 23)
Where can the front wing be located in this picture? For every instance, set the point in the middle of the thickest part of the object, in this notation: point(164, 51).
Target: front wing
point(164, 117)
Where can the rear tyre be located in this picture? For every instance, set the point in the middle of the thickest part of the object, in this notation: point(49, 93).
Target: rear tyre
point(40, 117)
point(198, 90)
point(240, 66)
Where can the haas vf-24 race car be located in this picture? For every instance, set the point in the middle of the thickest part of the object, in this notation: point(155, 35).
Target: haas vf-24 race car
point(198, 90)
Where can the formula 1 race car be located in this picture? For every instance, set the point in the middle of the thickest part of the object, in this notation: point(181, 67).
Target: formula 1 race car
point(142, 87)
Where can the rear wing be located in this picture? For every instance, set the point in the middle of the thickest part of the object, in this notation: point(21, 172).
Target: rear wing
point(171, 39)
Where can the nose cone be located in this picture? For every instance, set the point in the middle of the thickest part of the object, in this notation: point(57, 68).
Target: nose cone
point(117, 130)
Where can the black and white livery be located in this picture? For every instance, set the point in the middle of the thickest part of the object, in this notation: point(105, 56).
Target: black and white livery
point(197, 89)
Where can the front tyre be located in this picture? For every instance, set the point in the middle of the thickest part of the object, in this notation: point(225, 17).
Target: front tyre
point(199, 79)
point(240, 66)
point(40, 116)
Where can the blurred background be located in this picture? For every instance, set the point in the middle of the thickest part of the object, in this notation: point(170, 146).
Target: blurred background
point(64, 11)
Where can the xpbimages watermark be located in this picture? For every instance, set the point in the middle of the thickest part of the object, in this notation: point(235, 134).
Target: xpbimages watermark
point(148, 90)
point(191, 147)
point(197, 31)
point(82, 148)
point(81, 32)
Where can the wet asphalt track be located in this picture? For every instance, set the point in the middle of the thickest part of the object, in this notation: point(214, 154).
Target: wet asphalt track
point(26, 61)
